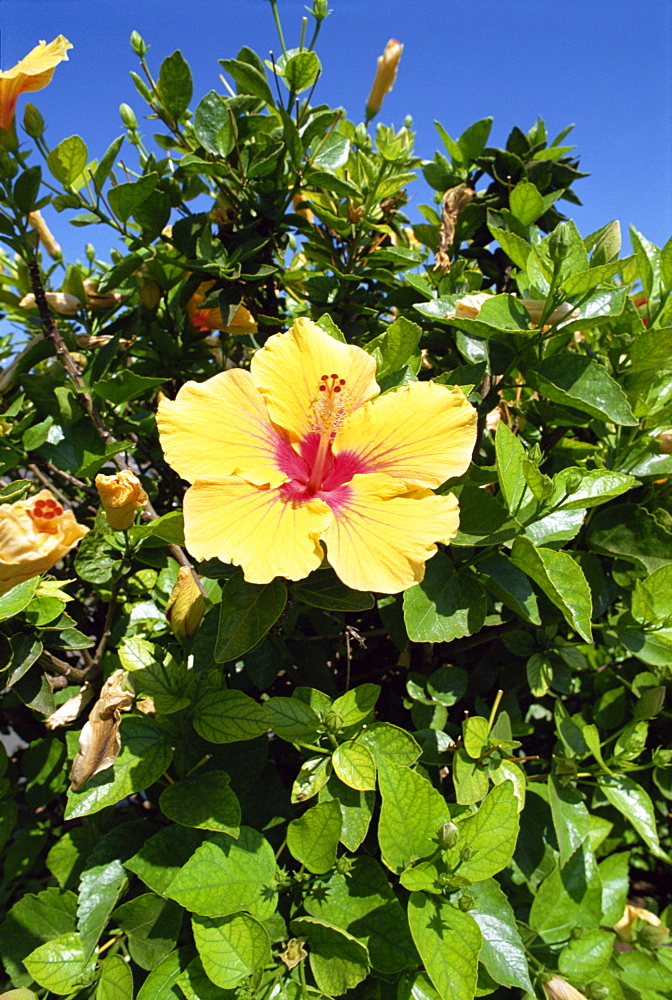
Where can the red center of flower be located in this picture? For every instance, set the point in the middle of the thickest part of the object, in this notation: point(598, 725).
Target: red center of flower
point(316, 471)
point(45, 512)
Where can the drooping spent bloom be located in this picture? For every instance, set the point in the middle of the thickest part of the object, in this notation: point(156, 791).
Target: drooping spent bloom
point(386, 74)
point(46, 237)
point(33, 72)
point(34, 535)
point(296, 455)
point(469, 306)
point(211, 319)
point(61, 302)
point(631, 913)
point(121, 496)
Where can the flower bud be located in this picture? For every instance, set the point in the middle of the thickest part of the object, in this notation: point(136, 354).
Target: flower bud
point(466, 902)
point(632, 913)
point(333, 721)
point(535, 308)
point(128, 116)
point(559, 989)
point(46, 238)
point(448, 834)
point(665, 442)
point(560, 242)
point(138, 44)
point(33, 122)
point(306, 212)
point(60, 302)
point(34, 535)
point(385, 76)
point(469, 306)
point(121, 496)
point(320, 10)
point(186, 605)
point(107, 300)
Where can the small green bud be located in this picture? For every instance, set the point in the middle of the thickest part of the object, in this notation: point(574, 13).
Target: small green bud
point(138, 44)
point(128, 116)
point(560, 242)
point(333, 721)
point(465, 853)
point(33, 122)
point(90, 252)
point(652, 937)
point(596, 991)
point(448, 834)
point(576, 933)
point(344, 865)
point(320, 10)
point(466, 902)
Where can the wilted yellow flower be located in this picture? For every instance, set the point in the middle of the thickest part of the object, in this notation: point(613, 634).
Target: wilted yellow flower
point(33, 72)
point(385, 76)
point(60, 302)
point(69, 710)
point(106, 300)
point(121, 496)
point(46, 236)
point(99, 741)
point(211, 319)
point(186, 605)
point(306, 212)
point(559, 989)
point(34, 535)
point(469, 306)
point(535, 308)
point(624, 926)
point(296, 454)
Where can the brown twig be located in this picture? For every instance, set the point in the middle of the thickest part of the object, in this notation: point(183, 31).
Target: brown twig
point(48, 483)
point(52, 662)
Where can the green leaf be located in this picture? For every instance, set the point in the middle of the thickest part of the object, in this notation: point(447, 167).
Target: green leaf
point(449, 942)
point(356, 811)
point(33, 920)
point(125, 385)
point(159, 984)
point(107, 161)
point(292, 719)
point(475, 733)
point(571, 819)
point(354, 765)
point(323, 589)
point(338, 960)
point(652, 598)
point(125, 198)
point(490, 834)
point(410, 817)
point(248, 611)
point(211, 117)
point(225, 875)
point(570, 896)
point(390, 742)
point(204, 801)
point(510, 456)
point(561, 579)
point(26, 189)
point(526, 203)
point(645, 973)
point(357, 704)
point(614, 875)
point(499, 318)
point(577, 381)
point(313, 838)
point(513, 246)
point(301, 70)
point(175, 84)
point(584, 958)
point(331, 153)
point(162, 856)
point(229, 716)
point(18, 598)
point(446, 605)
point(68, 159)
point(575, 488)
point(398, 346)
point(231, 947)
point(364, 904)
point(633, 802)
point(152, 925)
point(631, 532)
point(511, 586)
point(60, 965)
point(483, 518)
point(116, 980)
point(502, 952)
point(145, 755)
point(249, 79)
point(472, 141)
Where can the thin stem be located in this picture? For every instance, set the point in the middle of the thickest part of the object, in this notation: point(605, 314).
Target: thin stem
point(278, 26)
point(493, 711)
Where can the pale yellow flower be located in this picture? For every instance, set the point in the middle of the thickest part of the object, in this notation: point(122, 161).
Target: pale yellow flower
point(33, 72)
point(296, 454)
point(386, 74)
point(631, 913)
point(61, 302)
point(46, 236)
point(121, 496)
point(559, 989)
point(469, 306)
point(34, 535)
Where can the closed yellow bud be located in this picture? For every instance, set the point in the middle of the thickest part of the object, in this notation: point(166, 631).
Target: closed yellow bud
point(186, 606)
point(559, 989)
point(46, 236)
point(385, 76)
point(60, 302)
point(121, 496)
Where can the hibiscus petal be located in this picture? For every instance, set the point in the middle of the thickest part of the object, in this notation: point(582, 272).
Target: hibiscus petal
point(382, 535)
point(289, 367)
point(423, 433)
point(254, 527)
point(221, 428)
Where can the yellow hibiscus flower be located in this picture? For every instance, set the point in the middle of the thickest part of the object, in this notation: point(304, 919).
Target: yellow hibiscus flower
point(296, 454)
point(33, 72)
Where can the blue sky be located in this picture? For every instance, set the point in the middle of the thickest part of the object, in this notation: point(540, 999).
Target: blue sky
point(605, 66)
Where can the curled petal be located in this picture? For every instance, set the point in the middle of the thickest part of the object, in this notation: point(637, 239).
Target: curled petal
point(220, 428)
point(382, 535)
point(289, 368)
point(33, 72)
point(257, 528)
point(423, 433)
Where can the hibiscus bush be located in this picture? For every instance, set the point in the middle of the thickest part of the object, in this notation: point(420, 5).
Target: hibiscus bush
point(335, 556)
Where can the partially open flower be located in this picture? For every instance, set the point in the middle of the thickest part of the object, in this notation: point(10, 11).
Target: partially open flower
point(632, 913)
point(34, 535)
point(33, 72)
point(535, 308)
point(121, 496)
point(211, 319)
point(186, 606)
point(386, 74)
point(469, 306)
point(559, 989)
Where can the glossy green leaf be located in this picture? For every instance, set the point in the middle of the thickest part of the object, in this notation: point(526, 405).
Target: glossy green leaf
point(247, 612)
point(449, 942)
point(301, 70)
point(323, 589)
point(356, 704)
point(561, 579)
point(502, 952)
point(60, 965)
point(175, 84)
point(163, 855)
point(568, 897)
point(204, 801)
point(631, 532)
point(511, 586)
point(356, 810)
point(490, 834)
point(584, 958)
point(231, 948)
point(222, 716)
point(578, 381)
point(354, 765)
point(152, 926)
point(116, 980)
point(526, 202)
point(571, 819)
point(68, 159)
point(614, 872)
point(313, 838)
point(447, 605)
point(338, 960)
point(634, 802)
